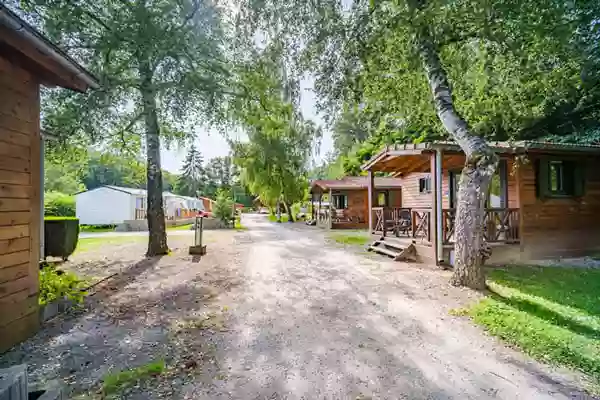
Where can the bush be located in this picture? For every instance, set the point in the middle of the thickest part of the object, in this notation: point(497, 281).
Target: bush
point(59, 204)
point(60, 236)
point(223, 207)
point(56, 285)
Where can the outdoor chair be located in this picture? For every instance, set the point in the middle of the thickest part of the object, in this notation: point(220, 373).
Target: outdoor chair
point(404, 223)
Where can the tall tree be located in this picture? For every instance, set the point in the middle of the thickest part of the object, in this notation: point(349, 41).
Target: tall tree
point(193, 175)
point(508, 65)
point(274, 161)
point(160, 63)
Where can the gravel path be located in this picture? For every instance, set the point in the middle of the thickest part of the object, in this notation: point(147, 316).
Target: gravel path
point(274, 313)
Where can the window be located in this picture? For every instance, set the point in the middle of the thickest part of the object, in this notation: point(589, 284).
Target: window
point(498, 191)
point(425, 185)
point(559, 178)
point(340, 201)
point(140, 203)
point(382, 199)
point(556, 177)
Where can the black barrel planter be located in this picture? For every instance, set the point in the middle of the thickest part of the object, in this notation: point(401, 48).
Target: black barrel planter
point(60, 236)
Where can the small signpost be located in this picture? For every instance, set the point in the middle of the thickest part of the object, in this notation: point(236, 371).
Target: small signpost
point(198, 248)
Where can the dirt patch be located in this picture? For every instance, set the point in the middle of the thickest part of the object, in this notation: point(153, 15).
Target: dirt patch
point(131, 319)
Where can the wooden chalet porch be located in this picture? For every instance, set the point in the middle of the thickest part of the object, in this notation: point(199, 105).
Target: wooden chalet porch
point(430, 174)
point(501, 225)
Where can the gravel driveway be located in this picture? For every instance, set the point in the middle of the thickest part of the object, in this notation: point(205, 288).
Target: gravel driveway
point(285, 316)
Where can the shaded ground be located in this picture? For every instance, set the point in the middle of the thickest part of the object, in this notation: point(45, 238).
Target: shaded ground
point(273, 313)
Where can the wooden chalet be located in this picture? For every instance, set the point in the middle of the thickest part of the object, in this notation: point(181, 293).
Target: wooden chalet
point(347, 205)
point(544, 201)
point(27, 60)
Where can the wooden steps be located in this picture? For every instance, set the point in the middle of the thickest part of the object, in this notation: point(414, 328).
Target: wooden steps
point(399, 251)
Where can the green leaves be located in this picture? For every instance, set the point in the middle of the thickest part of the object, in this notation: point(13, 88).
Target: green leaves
point(274, 161)
point(511, 65)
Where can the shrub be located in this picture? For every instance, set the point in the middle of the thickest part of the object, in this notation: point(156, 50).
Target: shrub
point(56, 285)
point(59, 204)
point(60, 236)
point(223, 207)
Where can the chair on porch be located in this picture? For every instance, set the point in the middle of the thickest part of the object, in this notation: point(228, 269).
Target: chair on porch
point(403, 223)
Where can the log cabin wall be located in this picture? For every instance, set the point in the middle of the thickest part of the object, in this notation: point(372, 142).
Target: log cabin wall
point(559, 227)
point(414, 199)
point(358, 205)
point(410, 191)
point(20, 204)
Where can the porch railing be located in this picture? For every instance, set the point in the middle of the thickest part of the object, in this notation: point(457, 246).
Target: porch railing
point(500, 225)
point(323, 217)
point(140, 213)
point(403, 222)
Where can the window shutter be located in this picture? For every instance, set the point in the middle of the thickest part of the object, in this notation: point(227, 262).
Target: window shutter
point(543, 184)
point(579, 175)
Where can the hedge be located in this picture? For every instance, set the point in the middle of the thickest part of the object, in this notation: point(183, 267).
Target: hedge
point(59, 204)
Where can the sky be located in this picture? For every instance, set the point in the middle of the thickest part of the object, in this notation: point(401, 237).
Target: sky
point(212, 144)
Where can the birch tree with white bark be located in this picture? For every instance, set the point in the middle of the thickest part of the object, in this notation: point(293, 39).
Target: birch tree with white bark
point(510, 62)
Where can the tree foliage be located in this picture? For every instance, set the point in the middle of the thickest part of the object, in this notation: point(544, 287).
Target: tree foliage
point(161, 69)
point(193, 175)
point(427, 69)
point(223, 207)
point(57, 204)
point(273, 162)
point(93, 169)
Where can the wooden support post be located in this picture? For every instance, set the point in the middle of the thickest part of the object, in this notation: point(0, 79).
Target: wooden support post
point(330, 220)
point(435, 222)
point(371, 194)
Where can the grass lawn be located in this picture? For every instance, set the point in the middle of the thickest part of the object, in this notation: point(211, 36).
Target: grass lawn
point(273, 218)
point(94, 228)
point(187, 227)
point(552, 314)
point(88, 244)
point(359, 238)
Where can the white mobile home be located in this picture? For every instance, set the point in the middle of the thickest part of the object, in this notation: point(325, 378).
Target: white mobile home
point(109, 205)
point(114, 205)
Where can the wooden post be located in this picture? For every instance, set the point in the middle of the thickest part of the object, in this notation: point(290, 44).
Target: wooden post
point(371, 194)
point(435, 222)
point(330, 221)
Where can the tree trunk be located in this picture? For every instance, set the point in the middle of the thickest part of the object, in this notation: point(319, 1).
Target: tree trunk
point(157, 235)
point(476, 175)
point(288, 209)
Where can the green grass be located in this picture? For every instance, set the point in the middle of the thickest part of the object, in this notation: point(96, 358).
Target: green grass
point(551, 313)
point(273, 218)
point(186, 227)
point(93, 243)
point(116, 382)
point(53, 218)
point(357, 238)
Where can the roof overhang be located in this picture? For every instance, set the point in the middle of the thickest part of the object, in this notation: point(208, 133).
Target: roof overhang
point(414, 153)
point(22, 44)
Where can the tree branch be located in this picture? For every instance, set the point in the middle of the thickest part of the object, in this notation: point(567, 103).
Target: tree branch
point(191, 15)
point(128, 127)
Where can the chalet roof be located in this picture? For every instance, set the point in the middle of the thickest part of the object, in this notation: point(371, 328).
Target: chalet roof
point(514, 147)
point(24, 45)
point(133, 191)
point(357, 182)
point(136, 191)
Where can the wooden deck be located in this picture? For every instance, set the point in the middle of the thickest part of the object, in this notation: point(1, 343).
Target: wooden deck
point(501, 225)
